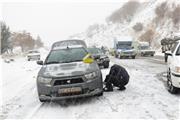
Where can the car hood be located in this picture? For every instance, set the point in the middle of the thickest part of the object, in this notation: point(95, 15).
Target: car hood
point(66, 69)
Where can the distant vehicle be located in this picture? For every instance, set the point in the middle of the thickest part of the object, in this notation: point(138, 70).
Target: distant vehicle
point(125, 47)
point(173, 72)
point(33, 55)
point(68, 43)
point(145, 49)
point(68, 72)
point(101, 58)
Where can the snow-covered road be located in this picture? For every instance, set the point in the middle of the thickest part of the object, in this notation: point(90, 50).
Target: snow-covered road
point(145, 97)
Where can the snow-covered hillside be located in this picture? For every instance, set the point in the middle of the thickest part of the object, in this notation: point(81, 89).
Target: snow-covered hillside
point(104, 34)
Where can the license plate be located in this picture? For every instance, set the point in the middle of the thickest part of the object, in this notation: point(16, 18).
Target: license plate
point(70, 90)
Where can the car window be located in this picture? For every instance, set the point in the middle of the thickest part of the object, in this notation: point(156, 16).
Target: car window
point(178, 50)
point(66, 55)
point(95, 51)
point(144, 47)
point(174, 47)
point(33, 52)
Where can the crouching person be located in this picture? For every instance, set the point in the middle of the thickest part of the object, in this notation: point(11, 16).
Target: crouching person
point(118, 77)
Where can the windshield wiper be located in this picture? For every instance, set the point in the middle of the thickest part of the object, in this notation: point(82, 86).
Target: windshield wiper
point(52, 62)
point(72, 61)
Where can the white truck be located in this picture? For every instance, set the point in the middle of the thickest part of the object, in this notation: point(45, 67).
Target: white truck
point(173, 71)
point(145, 49)
point(125, 46)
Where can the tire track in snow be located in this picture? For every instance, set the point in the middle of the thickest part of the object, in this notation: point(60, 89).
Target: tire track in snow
point(34, 111)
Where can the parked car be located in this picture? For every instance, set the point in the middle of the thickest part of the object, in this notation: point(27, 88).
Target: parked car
point(33, 55)
point(173, 72)
point(101, 58)
point(68, 72)
point(145, 49)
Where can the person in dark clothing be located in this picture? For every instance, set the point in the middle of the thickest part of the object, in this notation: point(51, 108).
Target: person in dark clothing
point(117, 77)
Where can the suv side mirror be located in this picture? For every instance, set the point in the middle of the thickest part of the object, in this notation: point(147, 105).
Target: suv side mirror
point(168, 53)
point(39, 62)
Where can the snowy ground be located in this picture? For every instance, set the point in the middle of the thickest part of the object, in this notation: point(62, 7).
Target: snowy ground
point(146, 96)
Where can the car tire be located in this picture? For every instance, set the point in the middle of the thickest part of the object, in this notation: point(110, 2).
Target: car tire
point(170, 86)
point(142, 54)
point(43, 100)
point(152, 55)
point(133, 57)
point(100, 94)
point(28, 59)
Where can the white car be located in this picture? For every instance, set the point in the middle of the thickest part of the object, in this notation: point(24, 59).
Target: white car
point(173, 72)
point(33, 54)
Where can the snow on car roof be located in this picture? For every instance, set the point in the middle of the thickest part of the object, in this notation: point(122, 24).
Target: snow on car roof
point(124, 38)
point(65, 47)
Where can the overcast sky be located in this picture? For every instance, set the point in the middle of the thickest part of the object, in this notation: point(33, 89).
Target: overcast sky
point(55, 21)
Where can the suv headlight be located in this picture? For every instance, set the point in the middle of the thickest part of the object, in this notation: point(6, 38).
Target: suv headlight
point(44, 80)
point(177, 69)
point(91, 75)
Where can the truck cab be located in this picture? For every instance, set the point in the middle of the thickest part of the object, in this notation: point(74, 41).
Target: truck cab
point(125, 47)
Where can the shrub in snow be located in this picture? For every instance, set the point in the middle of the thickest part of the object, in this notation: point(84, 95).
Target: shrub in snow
point(147, 36)
point(138, 27)
point(7, 61)
point(161, 10)
point(176, 15)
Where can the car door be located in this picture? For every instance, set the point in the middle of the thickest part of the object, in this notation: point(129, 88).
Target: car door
point(171, 59)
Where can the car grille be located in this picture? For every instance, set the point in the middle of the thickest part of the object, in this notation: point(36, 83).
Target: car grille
point(128, 52)
point(68, 81)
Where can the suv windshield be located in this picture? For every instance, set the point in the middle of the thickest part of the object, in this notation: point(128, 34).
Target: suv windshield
point(94, 51)
point(66, 55)
point(144, 47)
point(124, 45)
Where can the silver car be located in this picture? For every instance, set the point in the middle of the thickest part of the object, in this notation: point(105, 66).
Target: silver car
point(68, 72)
point(33, 55)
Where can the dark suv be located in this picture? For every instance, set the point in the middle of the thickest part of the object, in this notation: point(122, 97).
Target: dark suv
point(101, 58)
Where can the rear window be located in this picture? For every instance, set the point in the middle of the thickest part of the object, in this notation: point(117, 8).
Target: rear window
point(33, 52)
point(66, 55)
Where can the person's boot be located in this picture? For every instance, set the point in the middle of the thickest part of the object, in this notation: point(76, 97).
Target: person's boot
point(108, 88)
point(122, 88)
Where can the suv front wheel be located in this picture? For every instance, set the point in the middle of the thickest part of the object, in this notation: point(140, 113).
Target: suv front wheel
point(171, 88)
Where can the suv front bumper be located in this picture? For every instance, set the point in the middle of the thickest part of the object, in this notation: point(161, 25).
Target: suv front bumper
point(89, 88)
